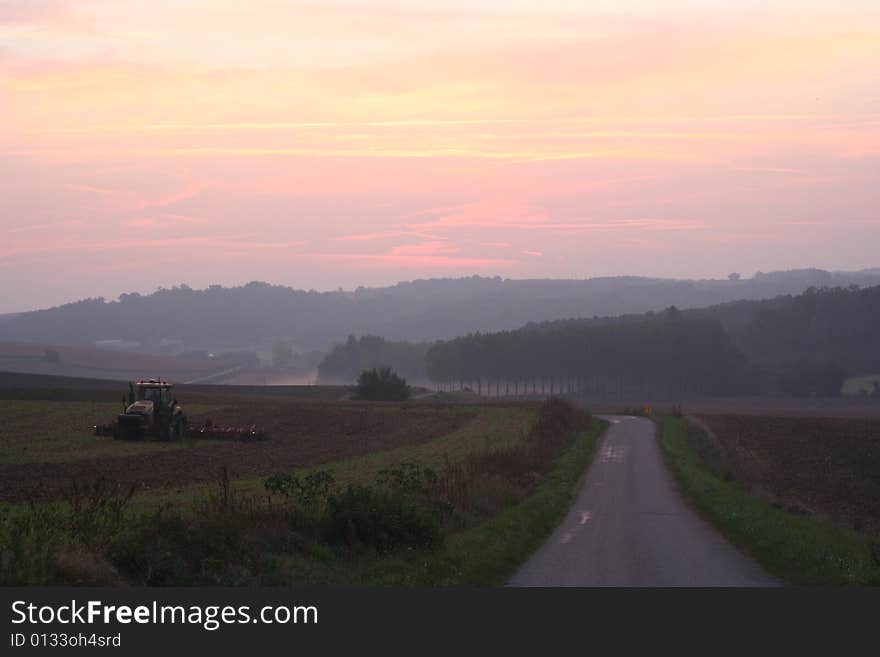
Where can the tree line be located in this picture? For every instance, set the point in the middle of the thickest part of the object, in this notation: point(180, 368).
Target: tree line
point(802, 345)
point(665, 355)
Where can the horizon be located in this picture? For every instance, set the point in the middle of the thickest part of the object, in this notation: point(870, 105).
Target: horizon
point(744, 277)
point(379, 141)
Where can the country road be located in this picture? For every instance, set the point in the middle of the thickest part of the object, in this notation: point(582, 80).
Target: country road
point(630, 527)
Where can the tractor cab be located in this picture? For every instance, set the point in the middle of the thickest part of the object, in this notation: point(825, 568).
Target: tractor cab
point(158, 392)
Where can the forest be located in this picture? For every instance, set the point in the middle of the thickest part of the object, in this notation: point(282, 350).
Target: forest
point(802, 345)
point(665, 356)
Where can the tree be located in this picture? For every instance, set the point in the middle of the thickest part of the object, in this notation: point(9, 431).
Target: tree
point(381, 384)
point(282, 354)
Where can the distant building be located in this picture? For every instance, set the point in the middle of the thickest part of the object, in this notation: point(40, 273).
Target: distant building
point(117, 345)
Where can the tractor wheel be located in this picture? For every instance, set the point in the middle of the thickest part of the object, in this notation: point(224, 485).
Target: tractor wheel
point(176, 429)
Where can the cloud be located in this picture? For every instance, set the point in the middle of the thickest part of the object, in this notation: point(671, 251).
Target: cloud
point(90, 189)
point(32, 11)
point(167, 220)
point(424, 248)
point(49, 226)
point(240, 244)
point(521, 216)
point(532, 253)
point(416, 262)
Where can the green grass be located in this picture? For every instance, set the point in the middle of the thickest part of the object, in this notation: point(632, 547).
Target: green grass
point(796, 549)
point(487, 554)
point(492, 428)
point(51, 431)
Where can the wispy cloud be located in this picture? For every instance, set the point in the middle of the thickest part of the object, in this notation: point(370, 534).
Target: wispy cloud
point(357, 142)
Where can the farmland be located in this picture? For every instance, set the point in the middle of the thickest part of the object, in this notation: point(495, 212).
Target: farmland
point(76, 508)
point(112, 364)
point(828, 468)
point(800, 494)
point(47, 445)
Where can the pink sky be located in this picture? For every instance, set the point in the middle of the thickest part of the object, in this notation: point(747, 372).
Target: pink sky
point(361, 143)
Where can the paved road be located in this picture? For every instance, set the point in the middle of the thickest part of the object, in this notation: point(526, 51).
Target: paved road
point(630, 527)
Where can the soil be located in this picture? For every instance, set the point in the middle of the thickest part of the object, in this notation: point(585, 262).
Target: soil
point(823, 467)
point(301, 434)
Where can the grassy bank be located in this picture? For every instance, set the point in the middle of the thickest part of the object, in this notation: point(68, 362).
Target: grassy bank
point(487, 554)
point(797, 549)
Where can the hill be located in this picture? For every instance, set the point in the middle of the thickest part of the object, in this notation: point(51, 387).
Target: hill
point(255, 316)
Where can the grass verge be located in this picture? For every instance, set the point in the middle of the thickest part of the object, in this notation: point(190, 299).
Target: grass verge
point(487, 554)
point(797, 549)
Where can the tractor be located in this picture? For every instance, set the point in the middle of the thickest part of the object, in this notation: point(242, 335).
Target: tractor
point(150, 412)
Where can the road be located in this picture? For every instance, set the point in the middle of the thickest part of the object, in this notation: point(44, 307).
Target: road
point(631, 527)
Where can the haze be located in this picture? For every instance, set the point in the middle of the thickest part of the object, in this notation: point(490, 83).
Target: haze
point(361, 143)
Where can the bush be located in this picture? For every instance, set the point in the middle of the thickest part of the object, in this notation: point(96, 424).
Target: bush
point(30, 540)
point(153, 552)
point(309, 493)
point(407, 478)
point(368, 517)
point(381, 384)
point(97, 510)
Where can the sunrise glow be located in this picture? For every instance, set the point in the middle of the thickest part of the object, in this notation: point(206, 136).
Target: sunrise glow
point(364, 142)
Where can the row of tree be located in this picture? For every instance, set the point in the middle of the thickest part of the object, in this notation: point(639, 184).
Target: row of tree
point(667, 355)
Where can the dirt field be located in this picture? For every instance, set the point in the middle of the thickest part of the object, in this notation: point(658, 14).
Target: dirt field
point(18, 386)
point(824, 467)
point(302, 434)
point(50, 431)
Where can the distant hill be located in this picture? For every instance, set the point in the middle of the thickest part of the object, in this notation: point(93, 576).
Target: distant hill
point(35, 358)
point(255, 316)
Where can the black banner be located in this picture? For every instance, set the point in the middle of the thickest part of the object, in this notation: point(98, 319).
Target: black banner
point(305, 620)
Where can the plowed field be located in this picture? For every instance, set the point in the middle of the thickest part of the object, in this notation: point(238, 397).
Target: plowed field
point(823, 467)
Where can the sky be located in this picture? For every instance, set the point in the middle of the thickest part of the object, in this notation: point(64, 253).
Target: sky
point(345, 143)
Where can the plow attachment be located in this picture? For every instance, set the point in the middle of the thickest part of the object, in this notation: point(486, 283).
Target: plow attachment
point(206, 431)
point(212, 431)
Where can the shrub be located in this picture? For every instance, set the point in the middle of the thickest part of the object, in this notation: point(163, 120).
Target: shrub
point(30, 540)
point(153, 551)
point(381, 384)
point(309, 493)
point(360, 516)
point(408, 479)
point(97, 510)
